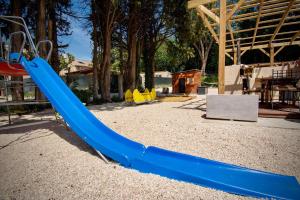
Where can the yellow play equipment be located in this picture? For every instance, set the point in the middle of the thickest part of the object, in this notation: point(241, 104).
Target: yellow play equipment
point(138, 97)
point(128, 96)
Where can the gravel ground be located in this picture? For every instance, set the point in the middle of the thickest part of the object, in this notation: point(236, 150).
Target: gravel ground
point(48, 162)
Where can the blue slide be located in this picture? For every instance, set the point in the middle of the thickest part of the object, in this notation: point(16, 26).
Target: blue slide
point(183, 167)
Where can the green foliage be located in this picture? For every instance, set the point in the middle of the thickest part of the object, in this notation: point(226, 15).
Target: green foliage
point(210, 80)
point(116, 98)
point(65, 61)
point(179, 54)
point(83, 95)
point(162, 58)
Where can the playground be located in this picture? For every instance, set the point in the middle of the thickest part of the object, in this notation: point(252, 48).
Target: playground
point(46, 161)
point(142, 118)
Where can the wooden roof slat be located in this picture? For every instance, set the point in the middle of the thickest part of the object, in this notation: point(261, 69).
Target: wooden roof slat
point(276, 5)
point(264, 27)
point(275, 20)
point(269, 14)
point(196, 3)
point(251, 4)
point(286, 12)
point(265, 35)
point(262, 21)
point(212, 15)
point(231, 34)
point(262, 42)
point(264, 14)
point(257, 21)
point(295, 37)
point(208, 26)
point(236, 7)
point(266, 46)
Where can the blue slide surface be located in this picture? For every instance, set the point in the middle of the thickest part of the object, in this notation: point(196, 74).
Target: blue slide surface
point(183, 167)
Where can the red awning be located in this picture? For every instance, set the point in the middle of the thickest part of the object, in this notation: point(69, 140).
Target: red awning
point(12, 70)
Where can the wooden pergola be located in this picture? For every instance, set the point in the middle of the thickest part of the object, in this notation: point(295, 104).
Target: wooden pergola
point(276, 24)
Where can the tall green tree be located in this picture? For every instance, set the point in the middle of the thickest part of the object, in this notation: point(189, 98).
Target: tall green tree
point(201, 40)
point(133, 28)
point(156, 30)
point(108, 12)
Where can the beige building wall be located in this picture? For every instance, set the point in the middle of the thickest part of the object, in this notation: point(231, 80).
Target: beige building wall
point(233, 81)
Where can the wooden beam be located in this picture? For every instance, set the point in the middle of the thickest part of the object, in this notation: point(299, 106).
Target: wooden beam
point(260, 42)
point(208, 26)
point(257, 21)
point(234, 57)
point(236, 7)
point(231, 33)
point(271, 56)
point(222, 41)
point(238, 51)
point(229, 56)
point(264, 51)
point(278, 50)
point(264, 11)
point(243, 52)
point(264, 27)
point(266, 46)
point(212, 15)
point(249, 4)
point(295, 37)
point(196, 3)
point(275, 20)
point(264, 14)
point(282, 20)
point(265, 35)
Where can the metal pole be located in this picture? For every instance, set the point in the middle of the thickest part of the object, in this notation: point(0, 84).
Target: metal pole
point(8, 18)
point(6, 93)
point(1, 45)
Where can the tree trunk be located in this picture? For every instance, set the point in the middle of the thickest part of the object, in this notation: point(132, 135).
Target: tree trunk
point(41, 35)
point(149, 53)
point(105, 68)
point(108, 13)
point(203, 50)
point(52, 35)
point(130, 71)
point(17, 88)
point(95, 55)
point(138, 81)
point(121, 75)
point(41, 27)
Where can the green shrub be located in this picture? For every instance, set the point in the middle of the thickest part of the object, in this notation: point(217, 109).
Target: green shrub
point(209, 80)
point(83, 95)
point(116, 98)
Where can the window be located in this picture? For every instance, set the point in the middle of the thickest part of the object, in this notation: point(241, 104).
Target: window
point(190, 80)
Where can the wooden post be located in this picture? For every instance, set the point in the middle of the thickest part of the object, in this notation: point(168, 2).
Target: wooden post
point(271, 55)
point(234, 57)
point(222, 41)
point(238, 49)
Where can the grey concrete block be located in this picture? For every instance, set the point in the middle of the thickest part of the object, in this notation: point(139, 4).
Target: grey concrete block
point(233, 107)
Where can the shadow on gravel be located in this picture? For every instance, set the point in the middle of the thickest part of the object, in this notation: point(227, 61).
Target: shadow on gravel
point(199, 105)
point(32, 132)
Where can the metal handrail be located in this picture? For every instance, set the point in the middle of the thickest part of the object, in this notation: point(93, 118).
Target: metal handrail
point(50, 50)
point(22, 46)
point(23, 24)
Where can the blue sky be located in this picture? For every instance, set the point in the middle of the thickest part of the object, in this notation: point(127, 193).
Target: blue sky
point(79, 42)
